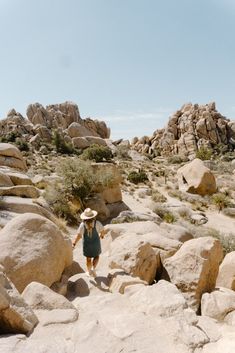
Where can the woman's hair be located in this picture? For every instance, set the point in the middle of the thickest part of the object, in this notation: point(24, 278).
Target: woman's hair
point(89, 221)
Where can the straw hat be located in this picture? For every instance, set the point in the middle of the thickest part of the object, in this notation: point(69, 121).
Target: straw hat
point(88, 214)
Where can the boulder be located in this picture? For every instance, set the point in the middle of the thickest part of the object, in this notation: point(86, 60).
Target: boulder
point(37, 114)
point(10, 156)
point(43, 132)
point(33, 249)
point(226, 276)
point(176, 232)
point(119, 281)
point(140, 228)
point(135, 256)
point(80, 142)
point(95, 140)
point(20, 190)
point(15, 315)
point(112, 194)
point(19, 178)
point(194, 268)
point(38, 296)
point(161, 299)
point(218, 303)
point(57, 316)
point(64, 114)
point(196, 178)
point(97, 203)
point(77, 130)
point(5, 180)
point(130, 216)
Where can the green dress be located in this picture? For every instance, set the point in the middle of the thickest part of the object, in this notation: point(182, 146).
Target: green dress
point(91, 243)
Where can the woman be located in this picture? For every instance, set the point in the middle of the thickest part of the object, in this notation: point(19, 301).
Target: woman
point(90, 230)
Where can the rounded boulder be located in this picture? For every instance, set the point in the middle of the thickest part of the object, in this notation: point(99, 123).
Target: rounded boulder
point(34, 249)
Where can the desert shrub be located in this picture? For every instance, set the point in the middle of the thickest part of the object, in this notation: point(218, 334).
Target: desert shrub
point(204, 153)
point(60, 144)
point(97, 153)
point(78, 182)
point(165, 214)
point(220, 200)
point(58, 198)
point(10, 137)
point(158, 197)
point(169, 217)
point(175, 159)
point(227, 240)
point(137, 177)
point(184, 212)
point(22, 145)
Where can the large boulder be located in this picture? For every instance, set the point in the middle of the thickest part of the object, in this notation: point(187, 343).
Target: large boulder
point(194, 268)
point(77, 130)
point(80, 142)
point(196, 178)
point(19, 178)
point(161, 299)
point(15, 315)
point(20, 190)
point(10, 156)
point(135, 256)
point(5, 180)
point(37, 114)
point(33, 249)
point(226, 276)
point(218, 304)
point(38, 296)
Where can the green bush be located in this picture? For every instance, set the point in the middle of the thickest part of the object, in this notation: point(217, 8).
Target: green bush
point(137, 177)
point(10, 137)
point(158, 197)
point(164, 213)
point(61, 146)
point(175, 159)
point(97, 153)
point(169, 217)
point(78, 181)
point(204, 153)
point(22, 145)
point(220, 200)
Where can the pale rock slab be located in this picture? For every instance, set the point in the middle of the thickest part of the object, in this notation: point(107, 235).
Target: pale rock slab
point(194, 268)
point(226, 276)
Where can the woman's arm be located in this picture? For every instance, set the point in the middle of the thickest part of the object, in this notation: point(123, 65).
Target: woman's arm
point(103, 232)
point(78, 237)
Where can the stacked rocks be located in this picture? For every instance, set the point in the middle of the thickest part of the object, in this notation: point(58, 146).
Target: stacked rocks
point(37, 128)
point(188, 129)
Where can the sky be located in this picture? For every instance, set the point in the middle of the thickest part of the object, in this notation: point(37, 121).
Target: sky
point(131, 63)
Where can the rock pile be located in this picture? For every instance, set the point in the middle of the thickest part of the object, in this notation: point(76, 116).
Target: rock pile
point(188, 129)
point(65, 118)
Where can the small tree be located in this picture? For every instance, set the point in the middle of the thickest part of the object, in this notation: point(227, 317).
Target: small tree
point(97, 153)
point(60, 144)
point(204, 153)
point(137, 177)
point(220, 200)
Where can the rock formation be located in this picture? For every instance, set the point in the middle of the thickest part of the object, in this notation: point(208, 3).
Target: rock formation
point(188, 129)
point(41, 121)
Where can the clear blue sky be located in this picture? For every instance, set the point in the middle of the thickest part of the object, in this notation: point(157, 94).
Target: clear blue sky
point(128, 62)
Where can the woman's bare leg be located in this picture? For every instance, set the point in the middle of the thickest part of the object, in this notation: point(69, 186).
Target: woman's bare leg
point(95, 261)
point(88, 264)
